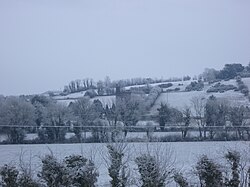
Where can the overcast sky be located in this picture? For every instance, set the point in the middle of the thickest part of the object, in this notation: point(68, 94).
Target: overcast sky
point(44, 44)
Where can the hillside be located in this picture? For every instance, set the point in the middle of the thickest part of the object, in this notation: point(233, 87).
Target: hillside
point(178, 99)
point(182, 99)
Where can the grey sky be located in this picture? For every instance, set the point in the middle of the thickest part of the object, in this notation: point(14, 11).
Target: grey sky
point(44, 44)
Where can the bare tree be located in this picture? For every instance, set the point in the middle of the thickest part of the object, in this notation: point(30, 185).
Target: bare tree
point(187, 119)
point(199, 104)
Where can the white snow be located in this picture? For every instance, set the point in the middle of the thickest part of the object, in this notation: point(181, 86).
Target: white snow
point(181, 99)
point(71, 96)
point(105, 100)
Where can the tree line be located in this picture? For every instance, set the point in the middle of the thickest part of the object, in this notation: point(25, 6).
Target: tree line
point(52, 120)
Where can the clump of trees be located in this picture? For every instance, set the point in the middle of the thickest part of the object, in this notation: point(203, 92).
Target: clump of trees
point(74, 170)
point(169, 115)
point(229, 71)
point(15, 113)
point(218, 87)
point(195, 86)
point(241, 86)
point(152, 97)
point(208, 114)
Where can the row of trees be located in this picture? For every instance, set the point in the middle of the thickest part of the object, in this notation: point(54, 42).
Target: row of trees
point(213, 112)
point(52, 120)
point(229, 71)
point(107, 86)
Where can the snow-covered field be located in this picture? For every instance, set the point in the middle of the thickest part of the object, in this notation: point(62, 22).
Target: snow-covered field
point(178, 99)
point(185, 154)
point(178, 84)
point(181, 99)
point(246, 81)
point(105, 100)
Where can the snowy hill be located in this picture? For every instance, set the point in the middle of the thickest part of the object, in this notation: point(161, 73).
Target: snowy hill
point(178, 99)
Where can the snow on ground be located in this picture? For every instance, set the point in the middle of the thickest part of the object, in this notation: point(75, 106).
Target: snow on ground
point(3, 137)
point(71, 96)
point(181, 99)
point(105, 100)
point(66, 101)
point(178, 84)
point(185, 154)
point(246, 81)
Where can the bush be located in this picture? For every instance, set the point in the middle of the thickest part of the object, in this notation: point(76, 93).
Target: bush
point(53, 173)
point(180, 180)
point(9, 175)
point(195, 86)
point(117, 168)
point(81, 171)
point(150, 172)
point(25, 180)
point(74, 170)
point(91, 93)
point(218, 87)
point(165, 85)
point(233, 157)
point(242, 87)
point(173, 90)
point(209, 172)
point(153, 95)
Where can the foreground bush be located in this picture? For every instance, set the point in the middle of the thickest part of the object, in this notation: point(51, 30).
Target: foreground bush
point(75, 170)
point(11, 177)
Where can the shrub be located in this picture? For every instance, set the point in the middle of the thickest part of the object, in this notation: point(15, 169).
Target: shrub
point(9, 175)
point(209, 172)
point(153, 95)
point(149, 169)
point(74, 170)
point(53, 172)
point(195, 86)
point(180, 180)
point(117, 167)
point(165, 85)
point(218, 87)
point(233, 157)
point(81, 171)
point(155, 166)
point(25, 180)
point(91, 93)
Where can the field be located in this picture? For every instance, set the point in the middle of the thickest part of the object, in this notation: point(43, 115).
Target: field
point(105, 100)
point(178, 99)
point(184, 154)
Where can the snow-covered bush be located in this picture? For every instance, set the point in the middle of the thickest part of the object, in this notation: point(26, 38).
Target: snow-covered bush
point(53, 173)
point(180, 180)
point(150, 172)
point(155, 166)
point(209, 172)
point(75, 171)
point(9, 176)
point(153, 95)
point(195, 86)
point(117, 166)
point(81, 171)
